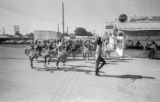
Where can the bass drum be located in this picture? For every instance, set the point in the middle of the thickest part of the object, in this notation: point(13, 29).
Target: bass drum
point(27, 52)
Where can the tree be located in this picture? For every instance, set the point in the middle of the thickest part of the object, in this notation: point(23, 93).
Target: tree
point(89, 34)
point(80, 31)
point(31, 35)
point(18, 34)
point(65, 34)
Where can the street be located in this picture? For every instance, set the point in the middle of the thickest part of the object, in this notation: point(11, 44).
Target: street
point(123, 80)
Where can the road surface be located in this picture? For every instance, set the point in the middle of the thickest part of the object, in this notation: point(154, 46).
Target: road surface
point(123, 80)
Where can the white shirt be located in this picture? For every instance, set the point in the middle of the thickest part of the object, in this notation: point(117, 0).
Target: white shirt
point(98, 51)
point(32, 52)
point(46, 52)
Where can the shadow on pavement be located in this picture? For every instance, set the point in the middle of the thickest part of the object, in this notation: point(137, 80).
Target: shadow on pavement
point(132, 77)
point(15, 58)
point(114, 61)
point(155, 59)
point(54, 60)
point(66, 69)
point(120, 60)
point(82, 66)
point(87, 71)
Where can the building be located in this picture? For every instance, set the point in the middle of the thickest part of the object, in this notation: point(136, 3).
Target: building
point(46, 35)
point(142, 29)
point(4, 38)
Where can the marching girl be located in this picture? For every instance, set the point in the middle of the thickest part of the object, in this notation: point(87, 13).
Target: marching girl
point(32, 54)
point(107, 48)
point(85, 50)
point(99, 57)
point(62, 55)
point(46, 54)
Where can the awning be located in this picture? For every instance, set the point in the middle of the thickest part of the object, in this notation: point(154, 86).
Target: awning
point(144, 38)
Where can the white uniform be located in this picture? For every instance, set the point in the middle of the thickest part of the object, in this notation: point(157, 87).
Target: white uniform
point(98, 51)
point(32, 52)
point(61, 50)
point(46, 52)
point(120, 46)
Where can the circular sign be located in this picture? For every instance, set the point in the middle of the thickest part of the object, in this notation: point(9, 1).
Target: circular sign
point(123, 18)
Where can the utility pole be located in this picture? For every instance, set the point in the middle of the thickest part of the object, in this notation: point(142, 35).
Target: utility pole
point(16, 29)
point(67, 30)
point(3, 32)
point(63, 17)
point(63, 21)
point(58, 27)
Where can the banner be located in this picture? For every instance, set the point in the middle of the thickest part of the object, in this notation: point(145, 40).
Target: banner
point(46, 35)
point(145, 19)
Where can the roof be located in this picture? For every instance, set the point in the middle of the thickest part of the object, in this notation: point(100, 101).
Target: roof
point(138, 26)
point(3, 36)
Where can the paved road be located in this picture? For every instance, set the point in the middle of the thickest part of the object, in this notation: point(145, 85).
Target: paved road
point(122, 80)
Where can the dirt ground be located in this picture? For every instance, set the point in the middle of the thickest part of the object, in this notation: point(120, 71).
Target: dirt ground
point(123, 80)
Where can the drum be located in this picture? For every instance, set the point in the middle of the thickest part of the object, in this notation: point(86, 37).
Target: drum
point(26, 52)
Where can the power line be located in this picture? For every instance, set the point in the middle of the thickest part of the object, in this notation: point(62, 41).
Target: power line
point(21, 11)
point(3, 31)
point(16, 28)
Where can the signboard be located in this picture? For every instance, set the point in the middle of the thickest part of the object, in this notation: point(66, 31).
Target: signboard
point(145, 19)
point(46, 35)
point(82, 37)
point(109, 25)
point(66, 37)
point(123, 18)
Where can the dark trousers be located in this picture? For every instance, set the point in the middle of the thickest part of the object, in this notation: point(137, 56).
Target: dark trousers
point(31, 60)
point(98, 60)
point(151, 54)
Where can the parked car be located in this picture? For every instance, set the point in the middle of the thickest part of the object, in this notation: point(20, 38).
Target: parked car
point(9, 42)
point(12, 42)
point(29, 41)
point(21, 42)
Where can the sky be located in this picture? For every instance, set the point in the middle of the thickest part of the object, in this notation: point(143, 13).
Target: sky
point(33, 15)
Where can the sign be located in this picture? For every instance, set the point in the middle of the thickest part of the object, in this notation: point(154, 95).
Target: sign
point(66, 37)
point(109, 25)
point(123, 18)
point(46, 35)
point(145, 19)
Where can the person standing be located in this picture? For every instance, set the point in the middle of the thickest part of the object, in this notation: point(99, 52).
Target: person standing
point(107, 48)
point(86, 50)
point(62, 55)
point(99, 57)
point(32, 54)
point(46, 54)
point(152, 50)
